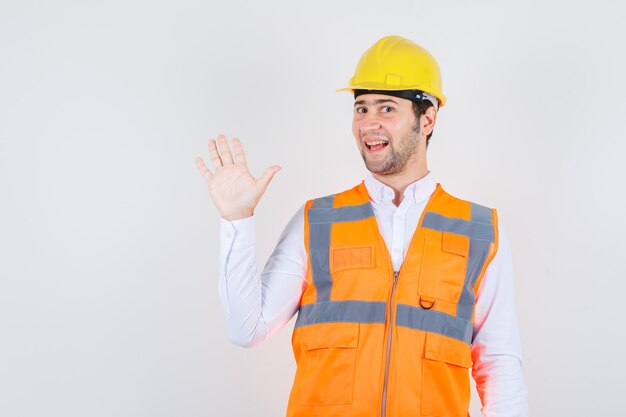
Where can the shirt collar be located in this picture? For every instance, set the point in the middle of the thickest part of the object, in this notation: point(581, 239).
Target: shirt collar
point(418, 190)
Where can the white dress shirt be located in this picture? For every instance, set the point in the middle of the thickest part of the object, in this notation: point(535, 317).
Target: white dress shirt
point(258, 305)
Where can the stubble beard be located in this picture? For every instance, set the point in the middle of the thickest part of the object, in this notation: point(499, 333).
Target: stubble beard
point(396, 159)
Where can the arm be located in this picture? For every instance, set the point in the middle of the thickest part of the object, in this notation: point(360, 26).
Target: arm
point(255, 306)
point(496, 350)
point(258, 305)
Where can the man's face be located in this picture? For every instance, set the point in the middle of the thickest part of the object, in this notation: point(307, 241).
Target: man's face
point(385, 131)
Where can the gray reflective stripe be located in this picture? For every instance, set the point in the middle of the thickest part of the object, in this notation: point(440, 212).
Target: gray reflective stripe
point(351, 311)
point(320, 266)
point(480, 214)
point(478, 251)
point(340, 214)
point(434, 321)
point(319, 243)
point(322, 215)
point(471, 229)
point(324, 202)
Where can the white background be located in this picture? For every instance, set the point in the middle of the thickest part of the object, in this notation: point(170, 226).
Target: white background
point(108, 238)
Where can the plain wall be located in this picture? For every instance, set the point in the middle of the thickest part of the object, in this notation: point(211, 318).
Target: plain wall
point(109, 240)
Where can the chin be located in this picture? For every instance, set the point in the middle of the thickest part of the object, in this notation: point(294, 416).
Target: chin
point(380, 170)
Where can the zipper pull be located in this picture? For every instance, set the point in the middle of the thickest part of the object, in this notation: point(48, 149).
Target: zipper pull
point(395, 276)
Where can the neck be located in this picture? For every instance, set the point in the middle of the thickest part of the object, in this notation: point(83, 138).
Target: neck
point(398, 182)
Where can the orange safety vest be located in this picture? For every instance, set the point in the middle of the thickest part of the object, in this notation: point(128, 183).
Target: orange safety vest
point(373, 342)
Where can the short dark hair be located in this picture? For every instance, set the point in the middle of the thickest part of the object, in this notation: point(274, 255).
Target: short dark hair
point(419, 108)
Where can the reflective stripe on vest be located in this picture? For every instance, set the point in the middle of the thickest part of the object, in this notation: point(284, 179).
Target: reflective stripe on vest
point(322, 215)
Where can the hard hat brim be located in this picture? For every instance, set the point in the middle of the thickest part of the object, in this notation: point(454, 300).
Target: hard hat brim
point(385, 87)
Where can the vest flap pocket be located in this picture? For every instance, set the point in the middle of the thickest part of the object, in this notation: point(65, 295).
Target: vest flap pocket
point(326, 365)
point(445, 376)
point(352, 257)
point(449, 350)
point(327, 335)
point(453, 243)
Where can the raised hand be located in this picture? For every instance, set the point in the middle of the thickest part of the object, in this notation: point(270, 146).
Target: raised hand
point(235, 192)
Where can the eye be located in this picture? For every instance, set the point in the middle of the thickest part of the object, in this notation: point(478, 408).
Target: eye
point(360, 110)
point(386, 109)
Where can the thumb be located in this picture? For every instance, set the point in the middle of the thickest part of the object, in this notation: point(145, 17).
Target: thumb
point(267, 176)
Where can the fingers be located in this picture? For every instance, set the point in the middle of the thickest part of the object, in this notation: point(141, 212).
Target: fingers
point(227, 158)
point(240, 155)
point(221, 155)
point(215, 156)
point(204, 171)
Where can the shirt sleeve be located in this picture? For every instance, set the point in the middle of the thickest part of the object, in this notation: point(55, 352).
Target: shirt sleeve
point(496, 350)
point(257, 305)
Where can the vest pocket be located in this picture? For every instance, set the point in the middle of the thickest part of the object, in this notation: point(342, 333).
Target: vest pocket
point(352, 257)
point(326, 366)
point(445, 377)
point(443, 268)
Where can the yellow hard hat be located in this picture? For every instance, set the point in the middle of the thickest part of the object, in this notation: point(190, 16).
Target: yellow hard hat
point(395, 63)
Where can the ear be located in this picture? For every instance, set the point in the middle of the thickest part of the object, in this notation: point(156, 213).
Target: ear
point(428, 120)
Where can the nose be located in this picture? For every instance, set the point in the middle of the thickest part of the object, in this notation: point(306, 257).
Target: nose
point(370, 121)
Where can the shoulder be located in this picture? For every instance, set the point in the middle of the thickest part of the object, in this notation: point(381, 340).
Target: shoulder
point(453, 206)
point(461, 200)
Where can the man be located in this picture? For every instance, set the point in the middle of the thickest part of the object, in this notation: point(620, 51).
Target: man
point(399, 286)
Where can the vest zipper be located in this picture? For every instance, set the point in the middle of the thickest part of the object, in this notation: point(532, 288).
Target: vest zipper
point(393, 288)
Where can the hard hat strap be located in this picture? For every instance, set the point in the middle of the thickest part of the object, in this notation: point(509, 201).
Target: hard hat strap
point(413, 95)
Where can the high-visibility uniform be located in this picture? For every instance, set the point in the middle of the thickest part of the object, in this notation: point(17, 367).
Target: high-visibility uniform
point(371, 341)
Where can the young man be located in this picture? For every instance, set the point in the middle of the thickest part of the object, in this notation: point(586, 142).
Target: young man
point(400, 287)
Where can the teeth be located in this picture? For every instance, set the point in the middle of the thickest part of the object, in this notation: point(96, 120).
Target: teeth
point(376, 142)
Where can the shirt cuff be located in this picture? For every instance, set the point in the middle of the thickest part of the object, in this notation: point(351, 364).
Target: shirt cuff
point(238, 234)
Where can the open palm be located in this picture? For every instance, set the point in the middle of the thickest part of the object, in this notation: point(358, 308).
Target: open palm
point(235, 192)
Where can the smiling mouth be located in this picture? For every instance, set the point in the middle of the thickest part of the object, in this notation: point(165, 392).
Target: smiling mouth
point(375, 145)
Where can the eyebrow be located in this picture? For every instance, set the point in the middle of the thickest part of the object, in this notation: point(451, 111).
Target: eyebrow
point(376, 102)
